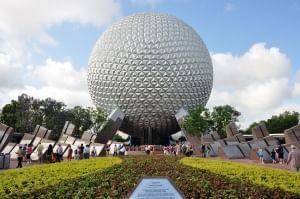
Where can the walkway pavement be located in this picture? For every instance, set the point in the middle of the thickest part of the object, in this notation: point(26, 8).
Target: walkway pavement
point(13, 163)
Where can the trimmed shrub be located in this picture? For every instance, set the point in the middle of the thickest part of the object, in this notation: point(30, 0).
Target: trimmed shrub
point(38, 177)
point(268, 177)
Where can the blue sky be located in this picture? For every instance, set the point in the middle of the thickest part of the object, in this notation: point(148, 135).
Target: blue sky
point(254, 45)
point(225, 26)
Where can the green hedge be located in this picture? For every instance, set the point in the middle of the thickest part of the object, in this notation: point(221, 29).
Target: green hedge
point(269, 177)
point(38, 177)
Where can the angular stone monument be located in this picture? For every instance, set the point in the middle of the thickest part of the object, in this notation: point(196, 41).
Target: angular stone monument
point(6, 134)
point(292, 135)
point(110, 128)
point(231, 129)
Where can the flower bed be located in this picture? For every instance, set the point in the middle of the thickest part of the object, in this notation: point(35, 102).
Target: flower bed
point(268, 177)
point(37, 177)
point(119, 180)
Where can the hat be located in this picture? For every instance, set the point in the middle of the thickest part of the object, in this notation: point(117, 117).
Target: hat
point(293, 147)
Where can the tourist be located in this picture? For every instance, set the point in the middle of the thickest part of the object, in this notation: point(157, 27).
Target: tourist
point(81, 148)
point(20, 157)
point(172, 149)
point(273, 156)
point(70, 152)
point(76, 154)
point(294, 159)
point(203, 151)
point(191, 150)
point(151, 149)
point(147, 149)
point(40, 149)
point(122, 149)
point(177, 148)
point(165, 150)
point(24, 149)
point(49, 153)
point(207, 152)
point(107, 149)
point(59, 153)
point(93, 152)
point(115, 150)
point(86, 152)
point(28, 153)
point(184, 148)
point(188, 151)
point(280, 154)
point(260, 155)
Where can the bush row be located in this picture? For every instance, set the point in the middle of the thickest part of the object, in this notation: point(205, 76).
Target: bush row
point(37, 177)
point(119, 180)
point(268, 177)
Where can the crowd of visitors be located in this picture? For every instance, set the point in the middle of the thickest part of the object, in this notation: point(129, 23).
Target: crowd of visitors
point(84, 152)
point(115, 149)
point(276, 154)
point(24, 153)
point(173, 149)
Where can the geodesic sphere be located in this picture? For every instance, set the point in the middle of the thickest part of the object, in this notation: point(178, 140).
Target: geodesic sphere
point(150, 65)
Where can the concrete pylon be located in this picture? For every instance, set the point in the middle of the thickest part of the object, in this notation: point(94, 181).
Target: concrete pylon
point(109, 129)
point(194, 140)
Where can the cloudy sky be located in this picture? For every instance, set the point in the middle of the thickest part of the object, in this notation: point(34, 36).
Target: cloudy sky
point(254, 45)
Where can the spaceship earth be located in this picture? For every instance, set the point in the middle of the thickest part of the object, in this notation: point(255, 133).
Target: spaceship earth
point(150, 65)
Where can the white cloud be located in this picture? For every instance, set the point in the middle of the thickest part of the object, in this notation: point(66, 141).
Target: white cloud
point(24, 27)
point(60, 81)
point(266, 95)
point(61, 75)
point(257, 83)
point(33, 17)
point(258, 64)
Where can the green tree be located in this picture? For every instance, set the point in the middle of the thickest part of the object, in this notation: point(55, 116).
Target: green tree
point(198, 121)
point(201, 120)
point(81, 118)
point(54, 115)
point(278, 123)
point(221, 116)
point(248, 130)
point(285, 120)
point(8, 114)
point(98, 117)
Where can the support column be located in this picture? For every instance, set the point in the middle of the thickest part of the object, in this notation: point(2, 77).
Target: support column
point(109, 129)
point(194, 140)
point(149, 135)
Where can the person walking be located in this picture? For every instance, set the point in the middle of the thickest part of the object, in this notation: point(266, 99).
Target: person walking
point(70, 152)
point(93, 152)
point(49, 153)
point(76, 154)
point(273, 156)
point(260, 155)
point(294, 159)
point(28, 153)
point(203, 150)
point(81, 148)
point(86, 152)
point(59, 153)
point(40, 149)
point(280, 154)
point(20, 157)
point(115, 149)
